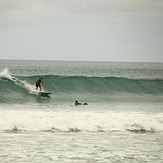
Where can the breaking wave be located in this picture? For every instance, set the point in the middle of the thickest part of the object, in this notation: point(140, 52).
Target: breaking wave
point(17, 87)
point(79, 121)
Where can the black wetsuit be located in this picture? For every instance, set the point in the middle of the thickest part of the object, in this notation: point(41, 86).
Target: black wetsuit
point(38, 83)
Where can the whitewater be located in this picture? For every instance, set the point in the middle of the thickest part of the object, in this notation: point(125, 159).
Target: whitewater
point(123, 121)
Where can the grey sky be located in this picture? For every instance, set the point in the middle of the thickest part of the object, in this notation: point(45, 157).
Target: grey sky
point(86, 30)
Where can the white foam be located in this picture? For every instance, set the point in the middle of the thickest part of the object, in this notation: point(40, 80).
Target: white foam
point(92, 121)
point(5, 73)
point(30, 88)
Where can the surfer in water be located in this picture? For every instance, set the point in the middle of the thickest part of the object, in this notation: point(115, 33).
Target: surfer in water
point(78, 103)
point(38, 83)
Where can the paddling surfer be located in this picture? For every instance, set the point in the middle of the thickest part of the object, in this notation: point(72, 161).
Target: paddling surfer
point(78, 103)
point(38, 83)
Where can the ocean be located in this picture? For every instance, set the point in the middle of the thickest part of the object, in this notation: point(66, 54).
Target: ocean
point(123, 121)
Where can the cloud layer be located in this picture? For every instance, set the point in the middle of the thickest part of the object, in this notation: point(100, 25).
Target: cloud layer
point(102, 30)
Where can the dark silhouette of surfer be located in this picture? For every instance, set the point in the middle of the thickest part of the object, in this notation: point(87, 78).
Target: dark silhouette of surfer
point(38, 83)
point(78, 103)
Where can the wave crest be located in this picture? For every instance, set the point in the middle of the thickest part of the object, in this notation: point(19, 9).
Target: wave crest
point(80, 86)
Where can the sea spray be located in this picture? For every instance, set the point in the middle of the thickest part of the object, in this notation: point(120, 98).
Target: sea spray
point(5, 76)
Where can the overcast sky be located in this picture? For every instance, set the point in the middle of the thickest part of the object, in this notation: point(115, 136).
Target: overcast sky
point(84, 30)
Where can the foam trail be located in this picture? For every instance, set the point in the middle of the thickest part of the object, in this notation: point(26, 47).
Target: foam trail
point(30, 88)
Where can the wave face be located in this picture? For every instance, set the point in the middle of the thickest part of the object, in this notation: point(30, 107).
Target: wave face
point(20, 87)
point(102, 85)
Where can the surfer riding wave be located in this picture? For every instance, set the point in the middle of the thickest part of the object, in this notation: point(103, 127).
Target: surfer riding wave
point(38, 83)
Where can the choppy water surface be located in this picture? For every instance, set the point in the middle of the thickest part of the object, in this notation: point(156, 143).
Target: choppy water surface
point(123, 121)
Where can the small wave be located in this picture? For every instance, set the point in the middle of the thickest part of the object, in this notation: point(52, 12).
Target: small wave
point(136, 128)
point(75, 121)
point(14, 130)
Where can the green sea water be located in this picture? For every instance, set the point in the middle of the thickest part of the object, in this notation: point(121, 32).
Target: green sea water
point(123, 121)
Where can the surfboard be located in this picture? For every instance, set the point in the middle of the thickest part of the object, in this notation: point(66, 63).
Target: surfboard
point(45, 94)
